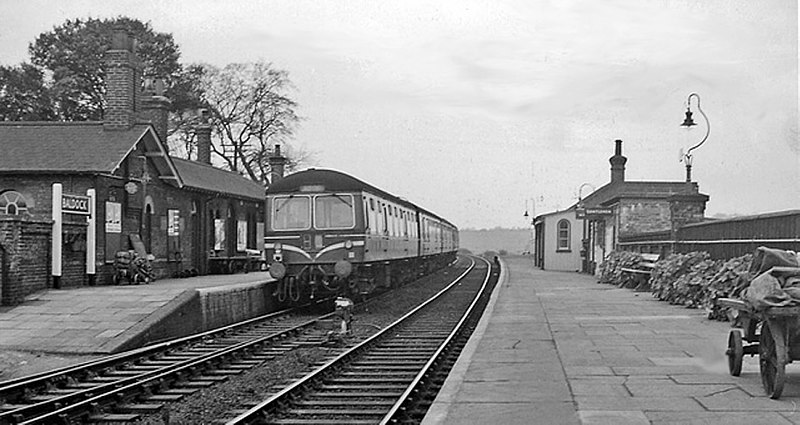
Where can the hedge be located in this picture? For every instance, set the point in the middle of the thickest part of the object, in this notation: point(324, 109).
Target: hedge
point(692, 279)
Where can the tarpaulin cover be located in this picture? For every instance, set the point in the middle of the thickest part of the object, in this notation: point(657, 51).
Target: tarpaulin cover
point(777, 279)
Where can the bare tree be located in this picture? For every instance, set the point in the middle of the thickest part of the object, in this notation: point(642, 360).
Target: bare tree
point(251, 113)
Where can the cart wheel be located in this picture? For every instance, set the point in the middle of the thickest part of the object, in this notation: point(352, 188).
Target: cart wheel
point(772, 359)
point(115, 279)
point(735, 352)
point(138, 278)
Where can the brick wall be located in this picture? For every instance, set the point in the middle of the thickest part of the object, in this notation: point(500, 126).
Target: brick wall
point(121, 89)
point(687, 212)
point(26, 243)
point(644, 215)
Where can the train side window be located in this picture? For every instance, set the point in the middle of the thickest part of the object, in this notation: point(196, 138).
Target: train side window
point(379, 218)
point(385, 220)
point(393, 222)
point(374, 215)
point(366, 215)
point(394, 219)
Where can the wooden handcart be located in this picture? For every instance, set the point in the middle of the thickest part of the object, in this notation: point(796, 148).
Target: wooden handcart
point(770, 333)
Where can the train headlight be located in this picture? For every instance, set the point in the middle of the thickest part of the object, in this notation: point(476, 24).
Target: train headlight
point(348, 244)
point(278, 246)
point(277, 270)
point(343, 268)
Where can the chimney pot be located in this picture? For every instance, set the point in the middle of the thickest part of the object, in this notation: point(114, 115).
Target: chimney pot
point(618, 163)
point(203, 132)
point(123, 79)
point(277, 163)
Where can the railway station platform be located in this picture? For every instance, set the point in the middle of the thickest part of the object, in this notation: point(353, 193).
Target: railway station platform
point(109, 319)
point(559, 348)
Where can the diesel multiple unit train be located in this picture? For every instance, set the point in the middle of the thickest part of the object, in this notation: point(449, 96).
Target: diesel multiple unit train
point(330, 233)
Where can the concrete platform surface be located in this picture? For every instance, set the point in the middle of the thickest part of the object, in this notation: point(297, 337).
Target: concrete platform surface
point(559, 348)
point(106, 319)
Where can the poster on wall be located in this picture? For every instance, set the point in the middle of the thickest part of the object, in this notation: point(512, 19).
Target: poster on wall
point(241, 235)
point(173, 223)
point(113, 217)
point(219, 234)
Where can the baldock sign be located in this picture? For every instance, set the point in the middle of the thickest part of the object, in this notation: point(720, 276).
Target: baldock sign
point(593, 212)
point(75, 204)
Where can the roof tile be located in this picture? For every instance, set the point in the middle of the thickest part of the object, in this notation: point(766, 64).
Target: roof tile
point(64, 147)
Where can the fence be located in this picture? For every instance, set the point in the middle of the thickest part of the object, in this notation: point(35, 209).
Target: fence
point(724, 239)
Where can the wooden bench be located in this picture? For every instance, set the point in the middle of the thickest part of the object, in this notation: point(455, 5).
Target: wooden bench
point(641, 274)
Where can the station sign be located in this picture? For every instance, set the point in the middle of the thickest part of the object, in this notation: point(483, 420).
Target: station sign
point(75, 204)
point(593, 212)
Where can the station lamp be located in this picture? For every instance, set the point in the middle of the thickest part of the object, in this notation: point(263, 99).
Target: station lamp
point(688, 123)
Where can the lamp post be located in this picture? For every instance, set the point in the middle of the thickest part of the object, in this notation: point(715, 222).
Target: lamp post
point(532, 217)
point(688, 122)
point(581, 213)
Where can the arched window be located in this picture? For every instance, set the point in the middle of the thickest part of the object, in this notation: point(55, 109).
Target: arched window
point(13, 203)
point(563, 236)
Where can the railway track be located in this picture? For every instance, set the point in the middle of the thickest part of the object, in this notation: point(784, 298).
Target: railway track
point(392, 376)
point(122, 388)
point(142, 380)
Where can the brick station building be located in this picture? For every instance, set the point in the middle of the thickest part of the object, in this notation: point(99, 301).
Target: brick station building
point(184, 212)
point(578, 238)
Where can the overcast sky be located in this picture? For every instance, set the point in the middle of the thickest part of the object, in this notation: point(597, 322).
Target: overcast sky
point(479, 109)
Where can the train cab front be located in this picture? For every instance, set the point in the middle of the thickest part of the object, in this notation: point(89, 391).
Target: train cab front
point(313, 244)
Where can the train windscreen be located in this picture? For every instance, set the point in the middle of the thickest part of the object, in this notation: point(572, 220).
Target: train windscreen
point(334, 212)
point(291, 212)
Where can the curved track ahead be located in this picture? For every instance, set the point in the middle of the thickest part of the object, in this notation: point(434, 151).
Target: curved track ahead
point(392, 376)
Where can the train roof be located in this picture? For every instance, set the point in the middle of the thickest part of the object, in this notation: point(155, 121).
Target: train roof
point(337, 181)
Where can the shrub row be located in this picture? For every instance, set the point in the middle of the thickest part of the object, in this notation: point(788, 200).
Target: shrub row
point(692, 279)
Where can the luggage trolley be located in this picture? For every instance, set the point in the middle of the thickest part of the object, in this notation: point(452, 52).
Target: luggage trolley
point(131, 267)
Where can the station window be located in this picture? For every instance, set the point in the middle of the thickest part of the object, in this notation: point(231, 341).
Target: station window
point(13, 203)
point(563, 236)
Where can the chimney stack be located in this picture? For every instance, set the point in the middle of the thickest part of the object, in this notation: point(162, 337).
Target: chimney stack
point(155, 106)
point(277, 162)
point(203, 132)
point(123, 76)
point(618, 163)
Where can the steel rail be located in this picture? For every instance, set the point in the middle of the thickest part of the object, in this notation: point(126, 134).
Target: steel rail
point(123, 357)
point(440, 352)
point(83, 400)
point(284, 396)
point(138, 383)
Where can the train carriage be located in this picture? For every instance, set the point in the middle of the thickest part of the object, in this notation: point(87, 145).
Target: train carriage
point(328, 232)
